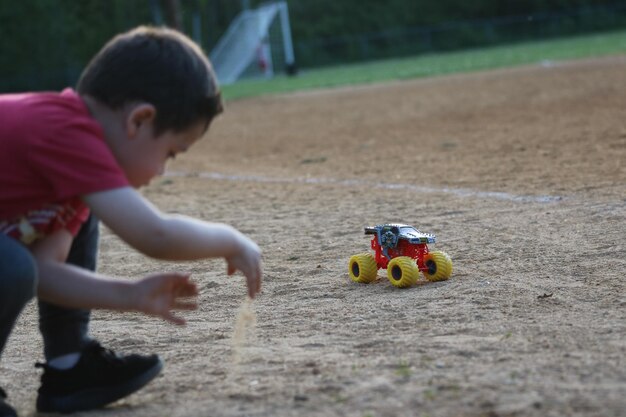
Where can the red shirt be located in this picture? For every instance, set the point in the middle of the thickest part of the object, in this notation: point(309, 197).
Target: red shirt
point(52, 152)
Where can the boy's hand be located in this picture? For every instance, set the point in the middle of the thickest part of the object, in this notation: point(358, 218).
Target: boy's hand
point(247, 260)
point(158, 294)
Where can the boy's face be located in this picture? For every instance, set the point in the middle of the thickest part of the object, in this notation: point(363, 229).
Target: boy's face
point(146, 155)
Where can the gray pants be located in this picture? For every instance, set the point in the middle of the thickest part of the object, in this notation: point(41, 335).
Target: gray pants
point(63, 330)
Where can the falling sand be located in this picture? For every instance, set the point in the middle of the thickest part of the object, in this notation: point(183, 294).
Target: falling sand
point(244, 325)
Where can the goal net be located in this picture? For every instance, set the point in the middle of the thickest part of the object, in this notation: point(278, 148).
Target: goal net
point(256, 44)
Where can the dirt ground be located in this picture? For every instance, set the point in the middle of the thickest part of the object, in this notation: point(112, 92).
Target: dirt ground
point(521, 174)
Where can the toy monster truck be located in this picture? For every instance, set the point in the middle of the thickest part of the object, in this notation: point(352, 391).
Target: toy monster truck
point(403, 251)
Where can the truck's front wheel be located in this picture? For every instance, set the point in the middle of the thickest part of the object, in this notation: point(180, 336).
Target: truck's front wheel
point(362, 268)
point(402, 272)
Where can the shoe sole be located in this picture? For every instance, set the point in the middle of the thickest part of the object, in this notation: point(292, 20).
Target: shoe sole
point(93, 398)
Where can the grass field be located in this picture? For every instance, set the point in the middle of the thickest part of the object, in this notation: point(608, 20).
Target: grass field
point(436, 64)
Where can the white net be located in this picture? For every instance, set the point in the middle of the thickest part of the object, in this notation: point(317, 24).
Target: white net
point(248, 42)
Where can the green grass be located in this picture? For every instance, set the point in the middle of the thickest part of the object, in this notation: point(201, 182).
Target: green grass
point(435, 64)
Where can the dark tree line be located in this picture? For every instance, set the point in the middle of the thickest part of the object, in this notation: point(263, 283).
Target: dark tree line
point(45, 43)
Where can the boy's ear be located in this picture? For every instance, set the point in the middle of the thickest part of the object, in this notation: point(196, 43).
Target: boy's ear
point(140, 115)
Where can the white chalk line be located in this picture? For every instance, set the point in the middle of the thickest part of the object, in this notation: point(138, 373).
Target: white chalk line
point(459, 192)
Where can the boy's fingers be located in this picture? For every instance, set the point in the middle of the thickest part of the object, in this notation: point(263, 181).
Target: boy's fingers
point(174, 319)
point(180, 305)
point(184, 287)
point(186, 291)
point(254, 284)
point(179, 276)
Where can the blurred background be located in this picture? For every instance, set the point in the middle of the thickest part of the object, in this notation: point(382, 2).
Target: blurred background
point(44, 44)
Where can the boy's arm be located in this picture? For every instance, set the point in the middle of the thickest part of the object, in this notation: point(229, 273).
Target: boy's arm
point(74, 287)
point(136, 221)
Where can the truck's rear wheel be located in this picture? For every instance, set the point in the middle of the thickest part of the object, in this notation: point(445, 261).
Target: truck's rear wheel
point(402, 272)
point(362, 268)
point(439, 266)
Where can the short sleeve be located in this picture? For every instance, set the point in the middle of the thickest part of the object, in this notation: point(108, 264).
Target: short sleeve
point(74, 159)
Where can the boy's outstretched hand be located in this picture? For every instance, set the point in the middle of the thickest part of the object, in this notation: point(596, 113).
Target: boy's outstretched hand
point(248, 261)
point(159, 294)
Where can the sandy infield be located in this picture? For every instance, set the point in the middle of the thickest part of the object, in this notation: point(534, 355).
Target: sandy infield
point(521, 174)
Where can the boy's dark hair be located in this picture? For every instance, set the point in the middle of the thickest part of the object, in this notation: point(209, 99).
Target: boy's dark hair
point(160, 66)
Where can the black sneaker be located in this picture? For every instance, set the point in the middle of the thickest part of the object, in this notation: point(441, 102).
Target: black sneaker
point(99, 378)
point(5, 409)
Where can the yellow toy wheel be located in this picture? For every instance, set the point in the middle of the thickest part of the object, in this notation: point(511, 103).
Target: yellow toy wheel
point(362, 268)
point(402, 272)
point(439, 266)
